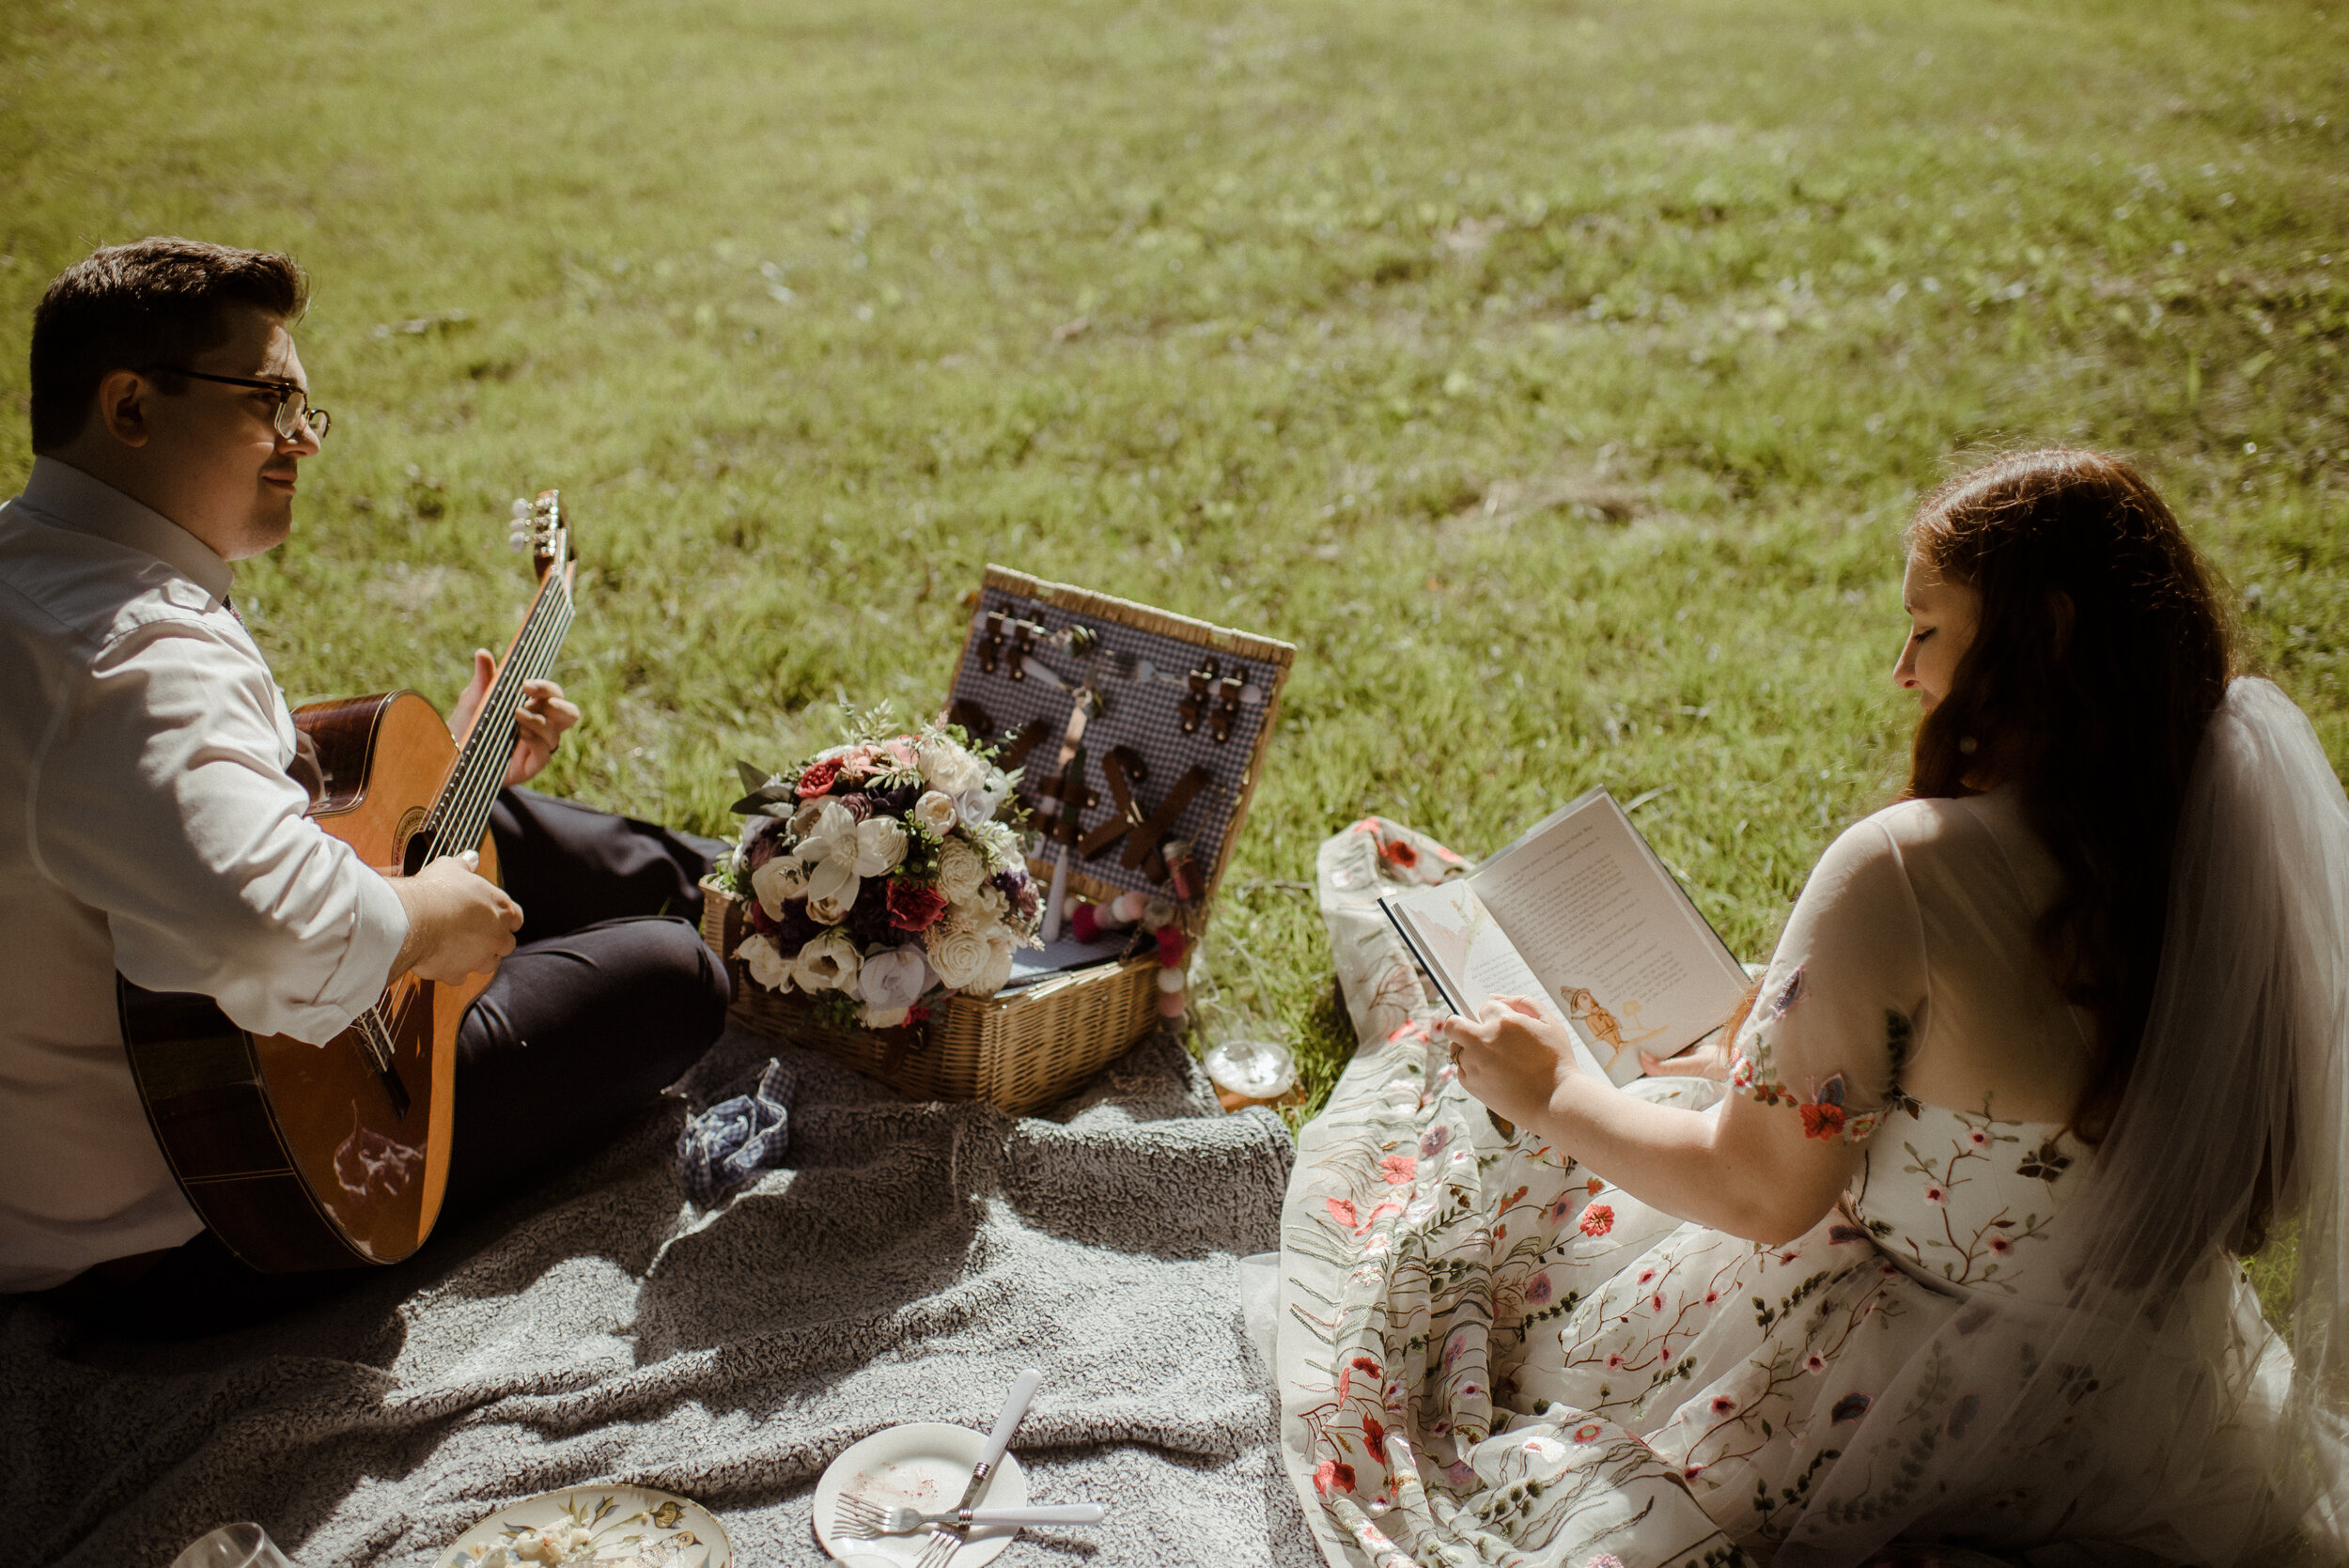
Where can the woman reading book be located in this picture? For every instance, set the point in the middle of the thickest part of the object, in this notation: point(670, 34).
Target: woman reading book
point(1952, 1252)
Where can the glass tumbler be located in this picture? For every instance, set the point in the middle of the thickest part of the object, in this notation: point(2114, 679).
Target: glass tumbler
point(244, 1546)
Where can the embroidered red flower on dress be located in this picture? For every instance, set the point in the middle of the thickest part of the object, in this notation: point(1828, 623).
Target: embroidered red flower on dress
point(1398, 1168)
point(1824, 1116)
point(1329, 1476)
point(1597, 1220)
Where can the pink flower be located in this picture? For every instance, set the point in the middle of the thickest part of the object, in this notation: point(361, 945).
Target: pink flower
point(1538, 1289)
point(1723, 1405)
point(1614, 1361)
point(1398, 1168)
point(1814, 1362)
point(817, 780)
point(2000, 1244)
point(1432, 1142)
point(1978, 1138)
point(1692, 1471)
point(1935, 1195)
point(1342, 1210)
point(1711, 1296)
point(1329, 1476)
point(1656, 1303)
point(1587, 1431)
point(1597, 1220)
point(1647, 1273)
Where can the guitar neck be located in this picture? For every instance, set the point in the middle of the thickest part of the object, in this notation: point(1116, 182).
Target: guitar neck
point(461, 813)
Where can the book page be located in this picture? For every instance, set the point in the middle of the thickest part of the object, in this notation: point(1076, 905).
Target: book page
point(1616, 942)
point(1470, 957)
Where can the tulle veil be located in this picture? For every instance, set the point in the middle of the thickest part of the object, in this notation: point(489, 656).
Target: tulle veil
point(2242, 1085)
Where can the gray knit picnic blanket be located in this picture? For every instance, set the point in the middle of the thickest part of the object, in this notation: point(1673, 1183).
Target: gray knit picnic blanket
point(906, 1264)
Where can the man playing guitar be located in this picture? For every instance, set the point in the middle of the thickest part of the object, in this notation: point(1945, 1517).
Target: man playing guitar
point(149, 823)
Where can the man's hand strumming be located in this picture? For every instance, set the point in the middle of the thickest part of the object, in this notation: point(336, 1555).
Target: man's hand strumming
point(460, 922)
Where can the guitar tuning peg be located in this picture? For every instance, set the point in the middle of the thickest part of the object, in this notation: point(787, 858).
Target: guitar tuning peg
point(521, 509)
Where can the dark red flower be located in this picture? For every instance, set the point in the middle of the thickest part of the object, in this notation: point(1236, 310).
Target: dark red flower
point(1822, 1121)
point(1597, 1220)
point(914, 906)
point(818, 779)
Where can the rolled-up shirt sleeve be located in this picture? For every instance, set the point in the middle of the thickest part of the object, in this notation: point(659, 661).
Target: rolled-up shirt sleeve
point(162, 798)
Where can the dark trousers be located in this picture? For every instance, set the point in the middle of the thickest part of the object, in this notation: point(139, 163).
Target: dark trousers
point(608, 997)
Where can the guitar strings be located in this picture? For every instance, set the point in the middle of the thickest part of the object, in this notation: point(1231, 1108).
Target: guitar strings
point(464, 812)
point(483, 772)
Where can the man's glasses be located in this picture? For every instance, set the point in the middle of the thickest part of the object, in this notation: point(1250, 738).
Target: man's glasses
point(294, 404)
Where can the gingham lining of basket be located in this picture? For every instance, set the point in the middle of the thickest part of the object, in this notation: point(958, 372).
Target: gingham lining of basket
point(1142, 714)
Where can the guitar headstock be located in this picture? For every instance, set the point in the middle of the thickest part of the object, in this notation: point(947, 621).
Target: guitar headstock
point(539, 528)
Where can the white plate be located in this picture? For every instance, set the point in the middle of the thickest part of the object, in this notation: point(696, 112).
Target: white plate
point(924, 1466)
point(625, 1525)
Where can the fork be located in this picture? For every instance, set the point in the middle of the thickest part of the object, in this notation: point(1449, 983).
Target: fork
point(862, 1520)
point(946, 1541)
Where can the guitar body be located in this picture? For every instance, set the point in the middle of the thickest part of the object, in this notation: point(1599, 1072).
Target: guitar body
point(303, 1157)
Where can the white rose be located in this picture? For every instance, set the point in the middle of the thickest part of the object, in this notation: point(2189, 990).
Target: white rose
point(961, 870)
point(895, 977)
point(876, 1017)
point(950, 769)
point(996, 973)
point(934, 813)
point(880, 846)
point(832, 908)
point(988, 907)
point(829, 963)
point(956, 953)
point(784, 877)
point(769, 967)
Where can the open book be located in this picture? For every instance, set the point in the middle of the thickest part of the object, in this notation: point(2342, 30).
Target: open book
point(1581, 914)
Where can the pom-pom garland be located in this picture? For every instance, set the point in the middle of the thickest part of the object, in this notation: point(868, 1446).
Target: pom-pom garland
point(1089, 922)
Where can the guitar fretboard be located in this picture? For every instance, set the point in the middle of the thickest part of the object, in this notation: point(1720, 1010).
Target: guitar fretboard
point(461, 815)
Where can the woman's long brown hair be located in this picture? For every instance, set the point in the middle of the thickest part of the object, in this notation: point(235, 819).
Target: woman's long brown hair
point(2102, 652)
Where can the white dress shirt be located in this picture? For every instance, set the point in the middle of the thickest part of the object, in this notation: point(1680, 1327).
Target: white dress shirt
point(146, 825)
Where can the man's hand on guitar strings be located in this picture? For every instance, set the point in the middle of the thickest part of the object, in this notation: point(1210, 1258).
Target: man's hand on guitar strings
point(460, 922)
point(539, 723)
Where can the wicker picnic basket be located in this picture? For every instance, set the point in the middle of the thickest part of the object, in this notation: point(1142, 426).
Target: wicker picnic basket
point(1024, 1048)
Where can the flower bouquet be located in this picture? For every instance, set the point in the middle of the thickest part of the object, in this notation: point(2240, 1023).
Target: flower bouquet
point(882, 874)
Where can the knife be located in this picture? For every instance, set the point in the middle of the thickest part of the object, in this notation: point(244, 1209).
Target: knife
point(1015, 1406)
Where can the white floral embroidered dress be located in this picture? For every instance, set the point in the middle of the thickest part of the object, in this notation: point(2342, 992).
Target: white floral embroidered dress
point(1487, 1354)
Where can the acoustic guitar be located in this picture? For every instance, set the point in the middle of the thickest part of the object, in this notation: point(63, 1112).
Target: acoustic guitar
point(301, 1155)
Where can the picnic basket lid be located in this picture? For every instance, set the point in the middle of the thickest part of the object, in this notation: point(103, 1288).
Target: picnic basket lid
point(1177, 694)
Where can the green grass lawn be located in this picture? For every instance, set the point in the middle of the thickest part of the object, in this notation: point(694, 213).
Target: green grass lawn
point(1556, 375)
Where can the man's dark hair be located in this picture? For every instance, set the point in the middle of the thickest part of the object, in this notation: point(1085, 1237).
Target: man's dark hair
point(149, 303)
